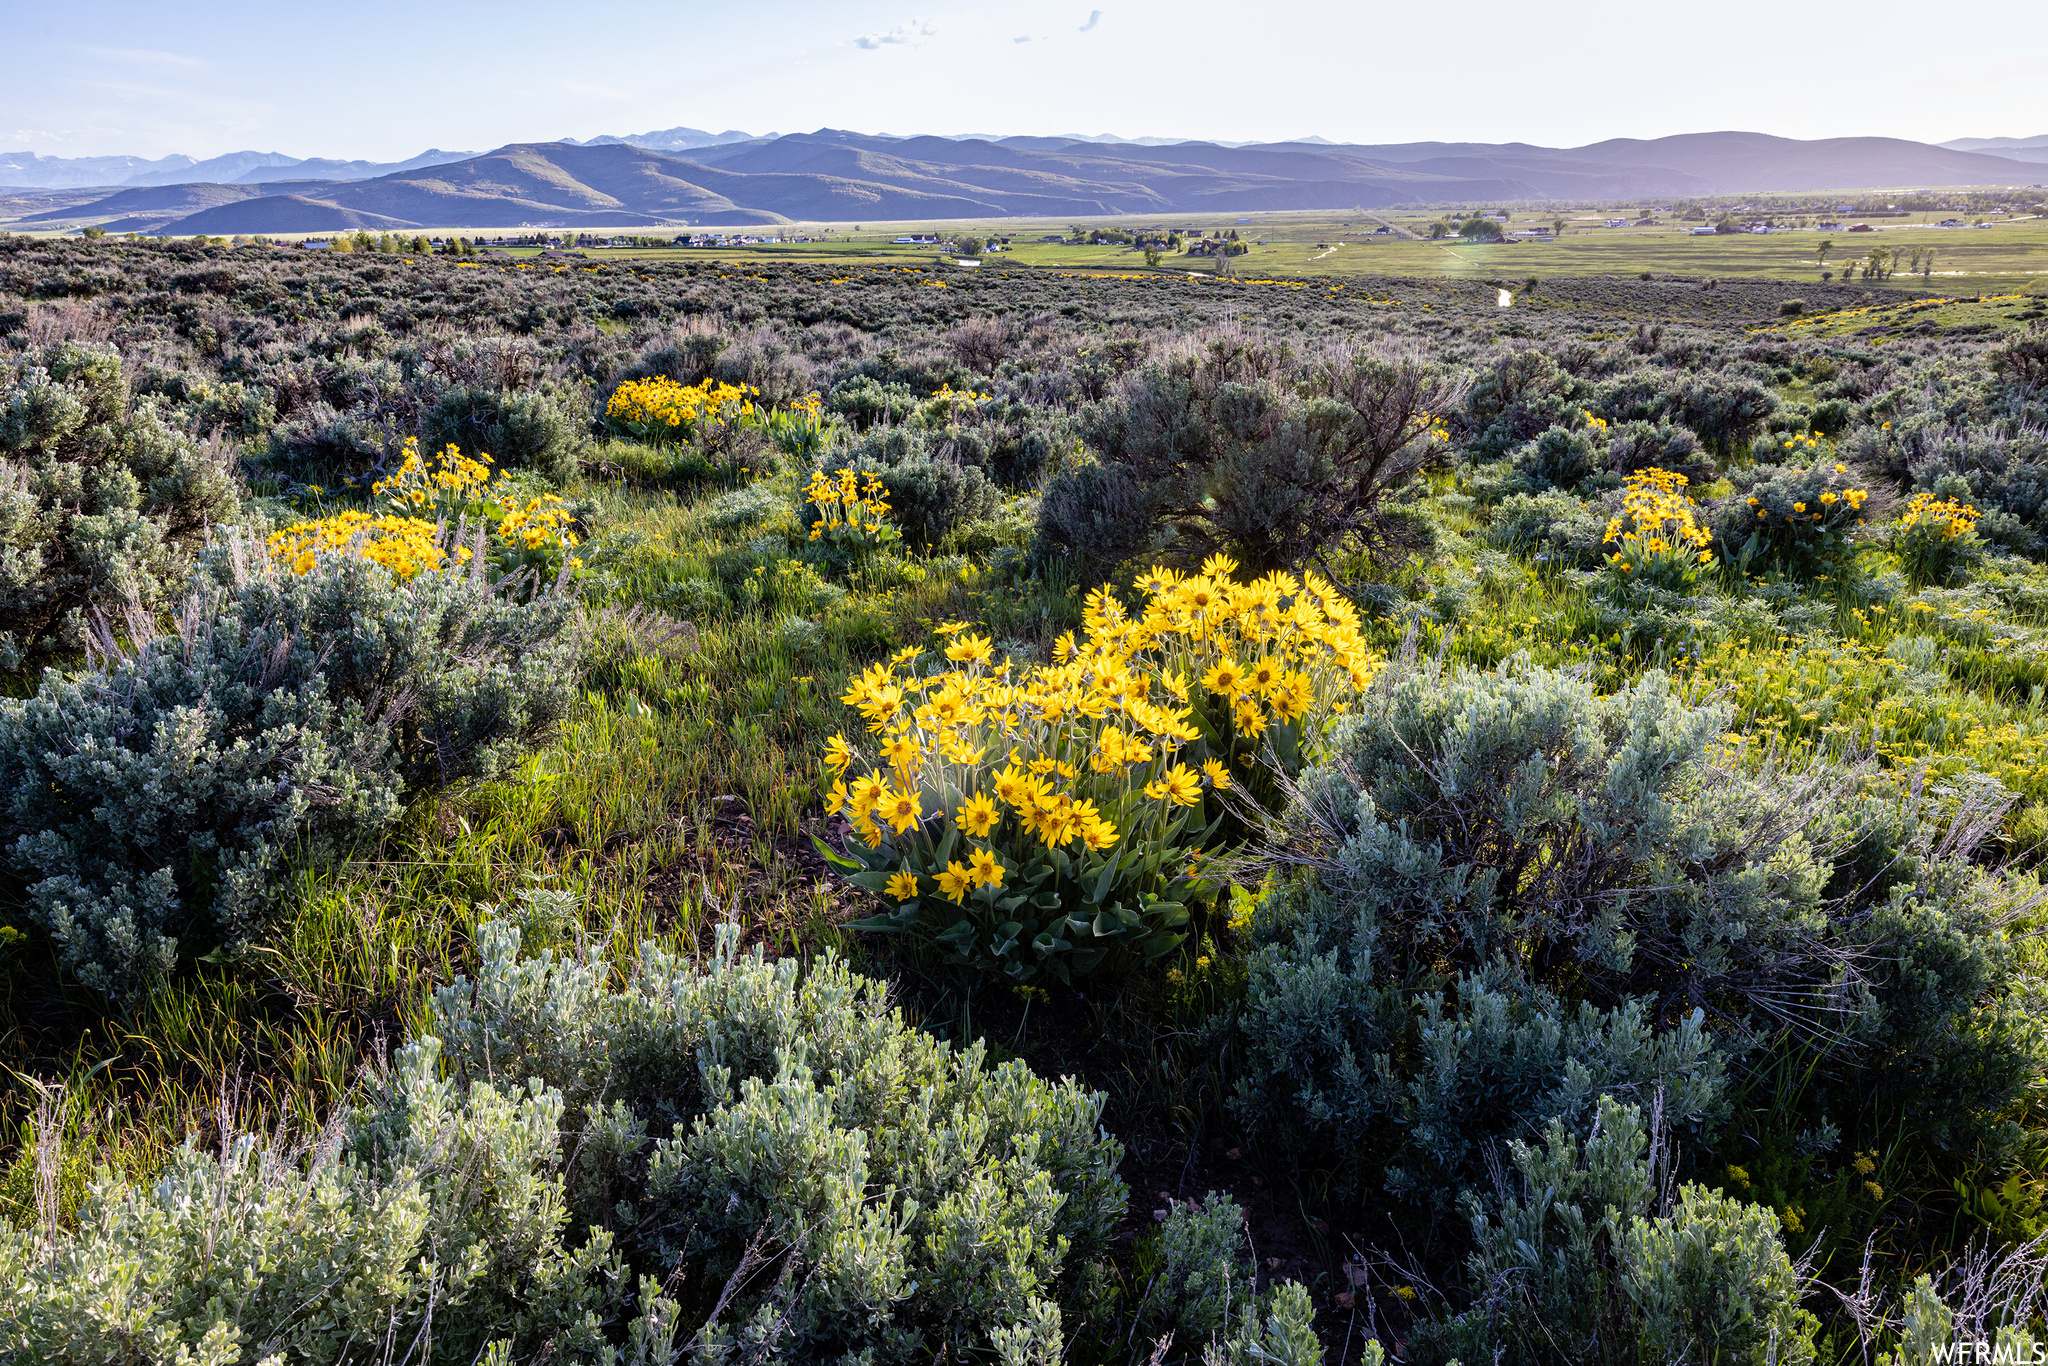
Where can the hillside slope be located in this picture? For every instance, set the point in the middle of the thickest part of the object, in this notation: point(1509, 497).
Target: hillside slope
point(834, 176)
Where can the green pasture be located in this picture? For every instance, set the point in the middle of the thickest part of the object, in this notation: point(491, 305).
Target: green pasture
point(2006, 257)
point(2010, 255)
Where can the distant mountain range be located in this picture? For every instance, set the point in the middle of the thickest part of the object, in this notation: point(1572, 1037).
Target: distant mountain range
point(2018, 149)
point(730, 178)
point(670, 139)
point(29, 170)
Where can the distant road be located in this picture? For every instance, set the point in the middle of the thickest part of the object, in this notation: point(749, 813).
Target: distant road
point(1390, 223)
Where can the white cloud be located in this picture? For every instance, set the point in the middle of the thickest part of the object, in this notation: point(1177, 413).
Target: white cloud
point(909, 34)
point(1094, 18)
point(1025, 39)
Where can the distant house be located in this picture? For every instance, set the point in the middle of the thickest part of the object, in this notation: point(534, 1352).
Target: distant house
point(1863, 227)
point(1052, 237)
point(1617, 222)
point(1382, 232)
point(1702, 232)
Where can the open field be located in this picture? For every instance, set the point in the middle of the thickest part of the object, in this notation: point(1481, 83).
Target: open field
point(1768, 883)
point(2009, 256)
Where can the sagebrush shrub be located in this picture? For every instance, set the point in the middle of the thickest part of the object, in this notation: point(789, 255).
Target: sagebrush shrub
point(101, 501)
point(1553, 528)
point(1509, 895)
point(1798, 521)
point(735, 1156)
point(1202, 1297)
point(152, 800)
point(536, 430)
point(1239, 445)
point(1581, 1258)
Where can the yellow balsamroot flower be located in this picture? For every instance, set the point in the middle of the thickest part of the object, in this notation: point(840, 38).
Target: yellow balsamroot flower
point(903, 886)
point(1948, 517)
point(1093, 754)
point(955, 881)
point(978, 816)
point(1657, 533)
point(850, 509)
point(902, 753)
point(838, 754)
point(971, 649)
point(403, 545)
point(983, 867)
point(1178, 785)
point(448, 482)
point(660, 409)
point(901, 810)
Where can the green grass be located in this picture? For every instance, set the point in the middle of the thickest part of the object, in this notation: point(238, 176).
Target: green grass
point(2010, 256)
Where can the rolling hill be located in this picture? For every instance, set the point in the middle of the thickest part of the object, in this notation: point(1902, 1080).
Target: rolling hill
point(836, 176)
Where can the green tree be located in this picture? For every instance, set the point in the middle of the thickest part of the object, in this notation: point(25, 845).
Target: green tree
point(1927, 264)
point(1820, 253)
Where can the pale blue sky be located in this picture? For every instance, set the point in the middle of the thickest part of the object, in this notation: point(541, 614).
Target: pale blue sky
point(365, 78)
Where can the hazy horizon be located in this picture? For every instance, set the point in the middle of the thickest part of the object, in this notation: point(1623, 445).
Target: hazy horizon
point(383, 82)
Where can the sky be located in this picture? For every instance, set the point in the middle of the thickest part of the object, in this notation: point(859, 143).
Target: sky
point(383, 81)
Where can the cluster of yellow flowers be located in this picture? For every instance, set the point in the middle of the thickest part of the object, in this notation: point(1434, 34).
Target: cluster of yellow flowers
point(536, 524)
point(1951, 519)
point(1832, 505)
point(851, 509)
point(1657, 532)
point(1594, 422)
point(1083, 783)
point(1934, 538)
point(455, 484)
point(660, 409)
point(403, 545)
point(1803, 441)
point(948, 405)
point(451, 484)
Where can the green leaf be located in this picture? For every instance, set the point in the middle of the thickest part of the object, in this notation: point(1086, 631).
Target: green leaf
point(877, 924)
point(1168, 912)
point(1102, 884)
point(833, 856)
